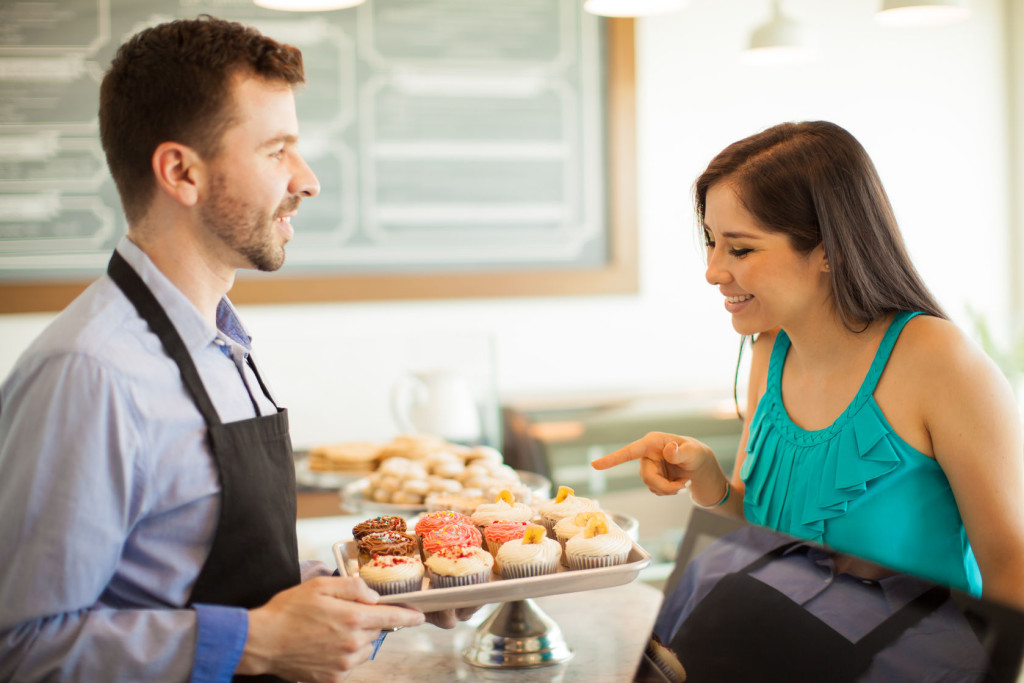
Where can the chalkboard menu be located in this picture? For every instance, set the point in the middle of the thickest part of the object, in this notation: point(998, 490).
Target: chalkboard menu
point(458, 140)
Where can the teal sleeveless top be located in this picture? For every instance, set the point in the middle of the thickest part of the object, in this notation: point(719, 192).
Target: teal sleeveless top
point(855, 486)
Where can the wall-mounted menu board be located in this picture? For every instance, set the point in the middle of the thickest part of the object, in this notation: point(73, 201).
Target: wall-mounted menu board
point(464, 148)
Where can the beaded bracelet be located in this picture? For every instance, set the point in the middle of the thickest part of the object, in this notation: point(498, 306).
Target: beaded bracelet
point(720, 503)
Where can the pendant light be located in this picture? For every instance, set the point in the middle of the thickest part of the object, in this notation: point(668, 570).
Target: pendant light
point(632, 8)
point(780, 40)
point(922, 12)
point(307, 5)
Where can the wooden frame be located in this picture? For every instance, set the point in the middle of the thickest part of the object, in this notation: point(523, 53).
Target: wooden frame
point(618, 276)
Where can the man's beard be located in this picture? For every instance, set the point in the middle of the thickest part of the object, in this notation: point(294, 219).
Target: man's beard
point(247, 230)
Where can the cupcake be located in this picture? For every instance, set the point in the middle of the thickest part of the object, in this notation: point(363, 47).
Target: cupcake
point(435, 520)
point(504, 508)
point(451, 536)
point(459, 566)
point(568, 527)
point(390, 574)
point(598, 545)
point(563, 505)
point(381, 523)
point(533, 555)
point(386, 543)
point(500, 533)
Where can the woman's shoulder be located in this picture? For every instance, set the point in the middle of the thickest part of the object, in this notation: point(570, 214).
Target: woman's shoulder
point(934, 352)
point(929, 340)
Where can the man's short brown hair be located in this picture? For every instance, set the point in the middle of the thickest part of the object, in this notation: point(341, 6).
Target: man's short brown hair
point(171, 83)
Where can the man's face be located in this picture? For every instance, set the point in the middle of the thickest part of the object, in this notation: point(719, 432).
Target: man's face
point(257, 178)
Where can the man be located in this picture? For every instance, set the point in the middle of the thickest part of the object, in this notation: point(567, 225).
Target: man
point(147, 500)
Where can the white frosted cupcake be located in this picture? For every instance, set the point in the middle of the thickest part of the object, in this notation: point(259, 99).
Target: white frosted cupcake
point(504, 509)
point(568, 527)
point(391, 574)
point(533, 555)
point(598, 545)
point(564, 504)
point(460, 566)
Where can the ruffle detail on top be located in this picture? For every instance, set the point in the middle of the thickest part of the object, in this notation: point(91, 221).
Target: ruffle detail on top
point(796, 479)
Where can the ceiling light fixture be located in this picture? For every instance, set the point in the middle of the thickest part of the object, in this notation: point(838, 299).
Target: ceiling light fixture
point(922, 12)
point(307, 5)
point(780, 40)
point(632, 8)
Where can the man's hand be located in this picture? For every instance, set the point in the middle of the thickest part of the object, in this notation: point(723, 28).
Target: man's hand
point(319, 630)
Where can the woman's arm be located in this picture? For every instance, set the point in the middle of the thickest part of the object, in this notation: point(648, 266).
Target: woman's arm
point(973, 421)
point(670, 462)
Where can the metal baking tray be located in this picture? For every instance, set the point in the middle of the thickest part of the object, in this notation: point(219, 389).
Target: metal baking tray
point(564, 580)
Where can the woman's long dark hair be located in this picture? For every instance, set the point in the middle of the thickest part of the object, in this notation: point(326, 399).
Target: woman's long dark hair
point(815, 183)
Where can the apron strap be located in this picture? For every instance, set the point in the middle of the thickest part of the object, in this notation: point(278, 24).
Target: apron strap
point(892, 628)
point(266, 392)
point(125, 277)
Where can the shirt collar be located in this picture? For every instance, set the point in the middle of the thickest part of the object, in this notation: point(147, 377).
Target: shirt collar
point(193, 328)
point(898, 589)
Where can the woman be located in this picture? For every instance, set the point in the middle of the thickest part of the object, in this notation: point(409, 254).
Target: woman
point(880, 429)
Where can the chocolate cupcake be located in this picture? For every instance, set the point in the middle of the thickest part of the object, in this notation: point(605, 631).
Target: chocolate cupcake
point(387, 543)
point(382, 523)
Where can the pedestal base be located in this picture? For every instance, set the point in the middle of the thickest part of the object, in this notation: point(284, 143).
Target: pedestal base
point(518, 635)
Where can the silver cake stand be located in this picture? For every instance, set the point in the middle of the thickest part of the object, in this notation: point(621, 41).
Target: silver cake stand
point(517, 635)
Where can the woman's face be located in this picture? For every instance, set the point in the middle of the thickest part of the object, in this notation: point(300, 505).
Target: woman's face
point(765, 281)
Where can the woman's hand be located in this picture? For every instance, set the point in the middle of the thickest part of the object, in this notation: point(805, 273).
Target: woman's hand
point(669, 463)
point(450, 617)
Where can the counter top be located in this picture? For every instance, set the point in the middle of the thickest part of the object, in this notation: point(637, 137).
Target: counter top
point(607, 630)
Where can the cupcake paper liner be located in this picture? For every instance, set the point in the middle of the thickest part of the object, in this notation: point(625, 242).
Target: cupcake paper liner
point(595, 562)
point(442, 581)
point(522, 571)
point(394, 587)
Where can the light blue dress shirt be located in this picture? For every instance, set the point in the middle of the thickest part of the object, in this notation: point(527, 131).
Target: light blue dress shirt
point(109, 494)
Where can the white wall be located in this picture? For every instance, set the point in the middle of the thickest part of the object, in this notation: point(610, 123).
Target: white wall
point(929, 105)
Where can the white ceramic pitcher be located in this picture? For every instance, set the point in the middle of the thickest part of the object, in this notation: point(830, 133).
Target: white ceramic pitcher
point(437, 402)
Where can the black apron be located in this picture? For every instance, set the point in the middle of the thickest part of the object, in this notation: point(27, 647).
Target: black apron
point(744, 630)
point(255, 550)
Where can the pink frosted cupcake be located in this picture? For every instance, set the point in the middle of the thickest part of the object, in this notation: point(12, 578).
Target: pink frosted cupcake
point(451, 536)
point(391, 574)
point(461, 566)
point(598, 545)
point(435, 520)
point(533, 555)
